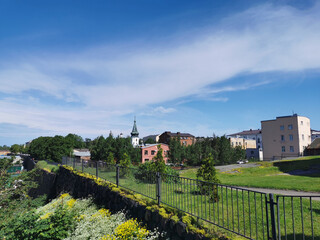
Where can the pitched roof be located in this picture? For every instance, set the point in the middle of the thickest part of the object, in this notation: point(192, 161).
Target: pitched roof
point(315, 144)
point(247, 132)
point(152, 145)
point(178, 134)
point(134, 129)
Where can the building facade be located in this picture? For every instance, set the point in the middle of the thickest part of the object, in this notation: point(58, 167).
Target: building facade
point(135, 135)
point(148, 152)
point(253, 150)
point(186, 139)
point(286, 136)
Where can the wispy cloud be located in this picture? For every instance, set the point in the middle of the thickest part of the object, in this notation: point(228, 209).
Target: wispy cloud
point(109, 82)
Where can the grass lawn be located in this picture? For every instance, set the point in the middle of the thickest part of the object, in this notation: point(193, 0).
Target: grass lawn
point(277, 175)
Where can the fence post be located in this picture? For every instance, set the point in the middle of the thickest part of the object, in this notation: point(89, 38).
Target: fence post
point(117, 175)
point(74, 162)
point(272, 215)
point(97, 167)
point(158, 187)
point(81, 165)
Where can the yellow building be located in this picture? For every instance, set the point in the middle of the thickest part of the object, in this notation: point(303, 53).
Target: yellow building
point(285, 136)
point(242, 142)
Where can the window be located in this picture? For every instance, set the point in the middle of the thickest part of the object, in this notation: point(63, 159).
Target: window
point(258, 140)
point(281, 127)
point(301, 122)
point(153, 152)
point(146, 160)
point(291, 137)
point(145, 152)
point(252, 152)
point(283, 148)
point(290, 127)
point(302, 136)
point(291, 149)
point(282, 137)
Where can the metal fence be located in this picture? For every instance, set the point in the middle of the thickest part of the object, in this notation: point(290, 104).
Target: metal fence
point(251, 214)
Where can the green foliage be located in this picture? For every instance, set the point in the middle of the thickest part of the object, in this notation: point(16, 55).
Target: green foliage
point(207, 173)
point(124, 164)
point(150, 141)
point(110, 158)
point(54, 148)
point(238, 153)
point(159, 164)
point(16, 148)
point(46, 166)
point(28, 226)
point(4, 147)
point(14, 198)
point(218, 147)
point(102, 147)
point(176, 152)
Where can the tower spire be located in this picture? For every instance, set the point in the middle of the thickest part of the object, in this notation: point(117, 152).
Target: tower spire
point(135, 134)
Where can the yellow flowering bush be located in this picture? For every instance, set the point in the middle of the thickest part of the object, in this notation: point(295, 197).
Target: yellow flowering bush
point(128, 230)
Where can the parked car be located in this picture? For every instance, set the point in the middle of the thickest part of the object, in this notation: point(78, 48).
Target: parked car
point(240, 162)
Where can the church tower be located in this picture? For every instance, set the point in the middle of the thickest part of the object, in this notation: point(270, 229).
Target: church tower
point(135, 135)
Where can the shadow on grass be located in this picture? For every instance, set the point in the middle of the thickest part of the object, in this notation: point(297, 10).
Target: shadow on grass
point(308, 168)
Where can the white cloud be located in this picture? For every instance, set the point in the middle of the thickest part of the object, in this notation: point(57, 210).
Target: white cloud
point(112, 83)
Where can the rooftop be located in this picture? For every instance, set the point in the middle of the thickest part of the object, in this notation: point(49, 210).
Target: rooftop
point(247, 132)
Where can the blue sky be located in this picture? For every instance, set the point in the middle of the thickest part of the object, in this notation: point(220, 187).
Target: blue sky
point(203, 67)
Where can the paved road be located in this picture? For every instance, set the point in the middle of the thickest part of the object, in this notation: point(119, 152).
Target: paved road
point(226, 168)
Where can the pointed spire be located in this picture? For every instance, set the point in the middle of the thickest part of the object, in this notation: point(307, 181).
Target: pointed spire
point(134, 129)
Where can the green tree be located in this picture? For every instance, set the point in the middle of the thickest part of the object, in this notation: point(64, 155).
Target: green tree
point(208, 173)
point(238, 154)
point(150, 141)
point(225, 151)
point(110, 158)
point(75, 141)
point(98, 150)
point(176, 151)
point(15, 148)
point(160, 165)
point(124, 164)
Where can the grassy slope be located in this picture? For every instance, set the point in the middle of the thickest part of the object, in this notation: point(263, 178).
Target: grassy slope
point(271, 175)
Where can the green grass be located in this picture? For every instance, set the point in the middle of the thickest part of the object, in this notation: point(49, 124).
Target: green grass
point(271, 175)
point(241, 211)
point(47, 166)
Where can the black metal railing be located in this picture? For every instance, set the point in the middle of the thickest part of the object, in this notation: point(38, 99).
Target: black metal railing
point(251, 214)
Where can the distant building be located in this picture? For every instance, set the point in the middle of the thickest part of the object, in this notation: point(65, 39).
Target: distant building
point(314, 134)
point(135, 135)
point(186, 139)
point(4, 152)
point(153, 137)
point(253, 135)
point(286, 136)
point(82, 154)
point(148, 152)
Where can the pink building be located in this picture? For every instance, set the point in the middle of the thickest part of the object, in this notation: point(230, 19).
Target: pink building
point(150, 151)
